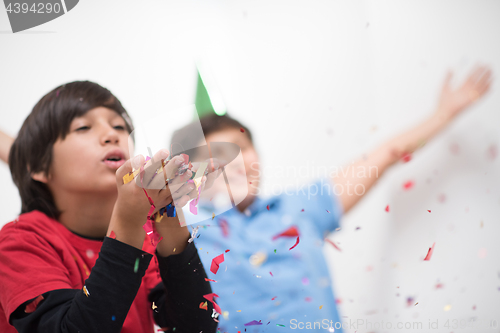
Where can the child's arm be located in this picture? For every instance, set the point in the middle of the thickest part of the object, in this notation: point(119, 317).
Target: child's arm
point(452, 102)
point(5, 144)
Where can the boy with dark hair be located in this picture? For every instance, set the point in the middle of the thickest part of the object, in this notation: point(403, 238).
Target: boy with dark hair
point(265, 282)
point(77, 259)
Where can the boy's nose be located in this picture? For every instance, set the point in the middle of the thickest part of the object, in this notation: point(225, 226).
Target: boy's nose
point(111, 136)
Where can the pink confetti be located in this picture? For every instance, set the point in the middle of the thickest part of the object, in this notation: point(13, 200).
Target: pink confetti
point(214, 267)
point(210, 298)
point(387, 208)
point(408, 185)
point(224, 227)
point(333, 244)
point(327, 211)
point(271, 274)
point(406, 158)
point(429, 254)
point(308, 299)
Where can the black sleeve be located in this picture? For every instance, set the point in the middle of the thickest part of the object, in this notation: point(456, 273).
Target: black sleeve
point(178, 298)
point(112, 287)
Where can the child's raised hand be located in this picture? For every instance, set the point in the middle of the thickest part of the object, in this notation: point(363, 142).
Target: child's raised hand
point(453, 101)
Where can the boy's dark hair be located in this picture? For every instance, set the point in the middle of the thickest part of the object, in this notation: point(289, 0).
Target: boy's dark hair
point(50, 120)
point(189, 136)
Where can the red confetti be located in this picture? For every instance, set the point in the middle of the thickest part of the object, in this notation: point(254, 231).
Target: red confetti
point(387, 208)
point(112, 235)
point(216, 262)
point(429, 254)
point(267, 207)
point(406, 157)
point(203, 305)
point(33, 305)
point(408, 185)
point(429, 210)
point(242, 130)
point(334, 245)
point(290, 232)
point(206, 279)
point(272, 299)
point(210, 297)
point(227, 250)
point(302, 210)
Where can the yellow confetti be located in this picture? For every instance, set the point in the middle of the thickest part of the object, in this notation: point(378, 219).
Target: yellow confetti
point(85, 291)
point(213, 216)
point(199, 174)
point(225, 314)
point(130, 176)
point(154, 306)
point(174, 249)
point(321, 307)
point(238, 310)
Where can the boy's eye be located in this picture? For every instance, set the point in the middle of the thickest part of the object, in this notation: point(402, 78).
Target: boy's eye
point(119, 127)
point(82, 128)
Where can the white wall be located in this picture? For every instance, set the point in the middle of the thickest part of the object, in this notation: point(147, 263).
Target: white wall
point(319, 83)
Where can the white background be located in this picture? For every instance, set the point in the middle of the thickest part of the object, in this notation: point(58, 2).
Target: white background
point(319, 83)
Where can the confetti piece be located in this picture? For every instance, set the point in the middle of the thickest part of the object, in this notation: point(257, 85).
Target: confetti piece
point(308, 299)
point(224, 227)
point(428, 210)
point(252, 323)
point(210, 297)
point(242, 130)
point(406, 157)
point(280, 325)
point(333, 244)
point(305, 281)
point(193, 234)
point(302, 210)
point(387, 208)
point(213, 216)
point(272, 299)
point(214, 267)
point(416, 304)
point(86, 291)
point(429, 254)
point(206, 279)
point(154, 307)
point(267, 207)
point(33, 305)
point(113, 318)
point(327, 211)
point(274, 250)
point(321, 307)
point(296, 243)
point(112, 235)
point(204, 305)
point(408, 185)
point(271, 274)
point(136, 265)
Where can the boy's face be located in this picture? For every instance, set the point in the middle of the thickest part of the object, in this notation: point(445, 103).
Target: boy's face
point(249, 177)
point(86, 160)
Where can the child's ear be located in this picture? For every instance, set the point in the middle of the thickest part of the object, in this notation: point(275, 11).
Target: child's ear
point(40, 177)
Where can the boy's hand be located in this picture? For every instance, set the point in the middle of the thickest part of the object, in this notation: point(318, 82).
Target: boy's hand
point(453, 101)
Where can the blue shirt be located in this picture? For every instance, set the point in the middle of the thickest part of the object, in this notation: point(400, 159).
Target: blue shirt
point(261, 276)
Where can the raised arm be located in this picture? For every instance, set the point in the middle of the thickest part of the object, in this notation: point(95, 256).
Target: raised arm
point(452, 102)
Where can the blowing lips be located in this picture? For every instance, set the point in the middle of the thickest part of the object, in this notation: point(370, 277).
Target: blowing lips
point(114, 159)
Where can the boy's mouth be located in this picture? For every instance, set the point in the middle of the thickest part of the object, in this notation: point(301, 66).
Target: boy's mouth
point(114, 159)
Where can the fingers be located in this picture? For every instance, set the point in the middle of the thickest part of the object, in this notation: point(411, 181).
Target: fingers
point(129, 166)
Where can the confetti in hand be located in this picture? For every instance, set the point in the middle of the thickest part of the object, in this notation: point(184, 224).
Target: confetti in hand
point(429, 254)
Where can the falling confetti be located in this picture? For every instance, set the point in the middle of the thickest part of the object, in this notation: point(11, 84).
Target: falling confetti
point(429, 210)
point(210, 297)
point(321, 307)
point(242, 130)
point(204, 305)
point(280, 325)
point(267, 207)
point(272, 299)
point(327, 211)
point(290, 232)
point(33, 305)
point(333, 244)
point(214, 267)
point(387, 208)
point(206, 279)
point(252, 323)
point(429, 254)
point(213, 216)
point(408, 185)
point(271, 274)
point(406, 158)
